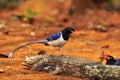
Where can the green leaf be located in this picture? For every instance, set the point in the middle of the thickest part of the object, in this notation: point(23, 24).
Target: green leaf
point(29, 13)
point(50, 19)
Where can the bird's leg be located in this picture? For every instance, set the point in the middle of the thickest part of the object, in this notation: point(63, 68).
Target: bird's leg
point(51, 50)
point(101, 56)
point(61, 51)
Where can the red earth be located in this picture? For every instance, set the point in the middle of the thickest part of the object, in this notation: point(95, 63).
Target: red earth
point(87, 43)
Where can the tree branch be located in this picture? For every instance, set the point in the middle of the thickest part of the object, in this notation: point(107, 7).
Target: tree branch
point(72, 66)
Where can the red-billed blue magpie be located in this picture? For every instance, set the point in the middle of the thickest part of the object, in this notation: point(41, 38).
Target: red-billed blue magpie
point(55, 40)
point(110, 60)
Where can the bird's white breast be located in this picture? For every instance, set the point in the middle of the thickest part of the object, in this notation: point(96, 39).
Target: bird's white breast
point(58, 42)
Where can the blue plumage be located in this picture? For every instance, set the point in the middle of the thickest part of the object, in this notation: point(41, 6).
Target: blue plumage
point(112, 61)
point(54, 36)
point(117, 62)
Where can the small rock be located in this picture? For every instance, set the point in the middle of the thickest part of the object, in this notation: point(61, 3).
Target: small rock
point(106, 46)
point(8, 67)
point(112, 25)
point(101, 28)
point(17, 17)
point(1, 71)
point(2, 26)
point(32, 33)
point(54, 12)
point(65, 20)
point(42, 52)
point(6, 32)
point(25, 25)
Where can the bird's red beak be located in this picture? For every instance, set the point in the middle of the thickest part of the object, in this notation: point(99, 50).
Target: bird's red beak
point(74, 33)
point(106, 56)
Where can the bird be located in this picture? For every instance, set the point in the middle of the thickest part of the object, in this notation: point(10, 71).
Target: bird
point(110, 60)
point(56, 40)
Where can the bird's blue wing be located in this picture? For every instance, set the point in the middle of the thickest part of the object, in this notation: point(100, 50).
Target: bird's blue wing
point(54, 36)
point(117, 62)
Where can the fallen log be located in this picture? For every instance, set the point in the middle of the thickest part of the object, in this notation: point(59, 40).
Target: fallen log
point(72, 66)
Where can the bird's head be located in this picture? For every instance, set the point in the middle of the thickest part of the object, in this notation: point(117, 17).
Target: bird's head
point(108, 57)
point(68, 30)
point(110, 60)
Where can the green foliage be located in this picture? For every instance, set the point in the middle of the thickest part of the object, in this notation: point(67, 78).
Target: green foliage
point(114, 2)
point(111, 2)
point(43, 24)
point(50, 19)
point(28, 14)
point(9, 4)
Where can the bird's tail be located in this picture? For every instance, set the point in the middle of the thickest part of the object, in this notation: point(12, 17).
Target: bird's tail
point(10, 55)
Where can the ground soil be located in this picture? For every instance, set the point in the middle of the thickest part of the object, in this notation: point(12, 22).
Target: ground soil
point(87, 43)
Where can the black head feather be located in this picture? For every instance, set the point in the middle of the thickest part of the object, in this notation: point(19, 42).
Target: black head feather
point(66, 32)
point(111, 60)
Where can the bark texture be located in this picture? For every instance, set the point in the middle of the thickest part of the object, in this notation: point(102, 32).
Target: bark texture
point(72, 66)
